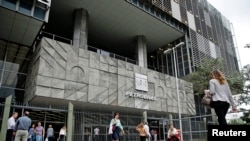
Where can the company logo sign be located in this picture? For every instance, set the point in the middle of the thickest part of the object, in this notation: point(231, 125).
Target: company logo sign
point(140, 96)
point(141, 82)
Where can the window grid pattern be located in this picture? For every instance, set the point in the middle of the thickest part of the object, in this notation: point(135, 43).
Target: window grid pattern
point(183, 3)
point(189, 4)
point(214, 33)
point(183, 14)
point(164, 5)
point(14, 60)
point(195, 50)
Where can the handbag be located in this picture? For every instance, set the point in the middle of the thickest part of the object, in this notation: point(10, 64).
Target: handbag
point(207, 99)
point(110, 130)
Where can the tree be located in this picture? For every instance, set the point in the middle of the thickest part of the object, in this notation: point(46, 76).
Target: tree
point(245, 97)
point(200, 78)
point(236, 121)
point(246, 117)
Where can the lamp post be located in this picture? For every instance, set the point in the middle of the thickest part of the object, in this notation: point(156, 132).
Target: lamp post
point(176, 81)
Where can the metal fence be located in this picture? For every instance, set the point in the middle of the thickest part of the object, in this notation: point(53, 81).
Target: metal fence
point(195, 127)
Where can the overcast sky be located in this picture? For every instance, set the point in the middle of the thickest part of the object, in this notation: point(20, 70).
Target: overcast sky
point(237, 12)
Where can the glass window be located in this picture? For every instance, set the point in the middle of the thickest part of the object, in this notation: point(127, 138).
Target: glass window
point(9, 4)
point(16, 64)
point(1, 64)
point(187, 71)
point(39, 13)
point(1, 75)
point(5, 92)
point(14, 80)
point(9, 79)
point(17, 94)
point(25, 6)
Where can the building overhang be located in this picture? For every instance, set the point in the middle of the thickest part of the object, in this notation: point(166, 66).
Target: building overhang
point(18, 28)
point(114, 23)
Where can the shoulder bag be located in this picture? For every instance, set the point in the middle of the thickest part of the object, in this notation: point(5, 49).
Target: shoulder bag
point(207, 99)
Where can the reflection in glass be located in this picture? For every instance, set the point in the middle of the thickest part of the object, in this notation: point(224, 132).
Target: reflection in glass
point(9, 79)
point(12, 66)
point(17, 94)
point(0, 76)
point(14, 80)
point(25, 6)
point(1, 64)
point(39, 13)
point(9, 4)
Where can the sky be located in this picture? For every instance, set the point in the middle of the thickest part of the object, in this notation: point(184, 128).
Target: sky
point(237, 12)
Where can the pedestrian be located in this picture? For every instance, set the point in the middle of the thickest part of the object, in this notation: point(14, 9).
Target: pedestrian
point(152, 134)
point(146, 127)
point(62, 133)
point(39, 130)
point(221, 96)
point(142, 132)
point(173, 133)
point(116, 127)
point(11, 126)
point(155, 135)
point(22, 127)
point(96, 133)
point(32, 133)
point(50, 133)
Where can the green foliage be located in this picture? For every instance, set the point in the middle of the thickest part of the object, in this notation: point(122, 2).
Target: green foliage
point(236, 83)
point(236, 122)
point(245, 95)
point(246, 117)
point(200, 78)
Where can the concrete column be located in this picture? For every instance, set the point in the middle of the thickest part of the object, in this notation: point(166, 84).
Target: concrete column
point(5, 117)
point(214, 117)
point(70, 121)
point(145, 119)
point(145, 116)
point(80, 37)
point(141, 51)
point(170, 116)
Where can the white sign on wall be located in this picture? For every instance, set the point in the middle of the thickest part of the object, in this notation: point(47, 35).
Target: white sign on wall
point(141, 82)
point(140, 96)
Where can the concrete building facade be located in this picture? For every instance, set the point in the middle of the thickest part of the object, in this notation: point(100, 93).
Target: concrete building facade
point(99, 57)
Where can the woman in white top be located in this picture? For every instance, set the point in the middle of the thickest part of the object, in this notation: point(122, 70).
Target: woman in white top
point(62, 134)
point(116, 127)
point(172, 133)
point(221, 96)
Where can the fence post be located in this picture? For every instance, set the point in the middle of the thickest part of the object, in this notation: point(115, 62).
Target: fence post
point(205, 124)
point(5, 117)
point(70, 122)
point(190, 129)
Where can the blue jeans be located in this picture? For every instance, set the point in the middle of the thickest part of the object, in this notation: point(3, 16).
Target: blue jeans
point(39, 138)
point(33, 138)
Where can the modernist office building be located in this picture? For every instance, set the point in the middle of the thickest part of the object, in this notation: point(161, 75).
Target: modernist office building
point(106, 56)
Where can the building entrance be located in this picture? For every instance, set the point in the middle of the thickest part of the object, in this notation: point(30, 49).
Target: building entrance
point(158, 127)
point(57, 118)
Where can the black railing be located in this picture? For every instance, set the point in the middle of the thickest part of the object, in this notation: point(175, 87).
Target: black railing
point(112, 55)
point(90, 48)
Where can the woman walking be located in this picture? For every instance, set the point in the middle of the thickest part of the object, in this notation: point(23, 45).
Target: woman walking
point(116, 127)
point(32, 134)
point(142, 132)
point(62, 134)
point(221, 96)
point(39, 130)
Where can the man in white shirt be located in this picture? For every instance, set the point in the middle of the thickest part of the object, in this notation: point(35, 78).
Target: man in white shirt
point(11, 126)
point(146, 127)
point(172, 132)
point(96, 133)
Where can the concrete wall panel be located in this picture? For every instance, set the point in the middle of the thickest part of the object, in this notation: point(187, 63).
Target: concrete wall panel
point(60, 71)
